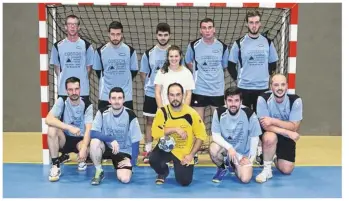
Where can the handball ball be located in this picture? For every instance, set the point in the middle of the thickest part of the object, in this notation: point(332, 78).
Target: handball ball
point(167, 143)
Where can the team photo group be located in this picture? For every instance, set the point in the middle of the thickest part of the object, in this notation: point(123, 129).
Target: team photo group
point(254, 118)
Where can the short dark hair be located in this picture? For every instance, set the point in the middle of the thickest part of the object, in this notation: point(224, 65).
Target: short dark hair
point(231, 91)
point(207, 20)
point(175, 84)
point(72, 16)
point(164, 27)
point(117, 90)
point(71, 80)
point(116, 25)
point(253, 13)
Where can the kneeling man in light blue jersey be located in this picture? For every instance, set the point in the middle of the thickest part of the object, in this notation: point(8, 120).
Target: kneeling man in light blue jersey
point(235, 131)
point(114, 130)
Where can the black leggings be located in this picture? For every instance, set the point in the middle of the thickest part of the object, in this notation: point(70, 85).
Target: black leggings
point(158, 159)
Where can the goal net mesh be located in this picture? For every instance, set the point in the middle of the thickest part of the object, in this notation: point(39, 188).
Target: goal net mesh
point(140, 23)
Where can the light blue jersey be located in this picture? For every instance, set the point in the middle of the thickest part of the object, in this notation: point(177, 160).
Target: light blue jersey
point(237, 130)
point(124, 127)
point(209, 62)
point(152, 60)
point(253, 61)
point(291, 109)
point(76, 115)
point(116, 64)
point(72, 58)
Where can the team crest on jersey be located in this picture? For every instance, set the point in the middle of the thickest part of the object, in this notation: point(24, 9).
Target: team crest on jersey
point(122, 54)
point(78, 47)
point(215, 51)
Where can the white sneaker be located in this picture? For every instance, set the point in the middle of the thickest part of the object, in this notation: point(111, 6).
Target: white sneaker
point(264, 175)
point(82, 166)
point(55, 172)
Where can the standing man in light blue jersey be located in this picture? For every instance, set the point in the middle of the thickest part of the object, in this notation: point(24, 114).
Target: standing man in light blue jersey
point(235, 131)
point(152, 61)
point(69, 124)
point(280, 115)
point(114, 130)
point(72, 56)
point(116, 65)
point(207, 57)
point(256, 57)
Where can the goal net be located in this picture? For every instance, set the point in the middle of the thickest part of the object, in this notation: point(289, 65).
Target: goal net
point(139, 31)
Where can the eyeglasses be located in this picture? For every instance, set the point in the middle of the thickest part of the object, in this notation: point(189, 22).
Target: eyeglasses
point(72, 24)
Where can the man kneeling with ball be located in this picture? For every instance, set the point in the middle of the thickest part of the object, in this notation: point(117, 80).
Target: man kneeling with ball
point(181, 132)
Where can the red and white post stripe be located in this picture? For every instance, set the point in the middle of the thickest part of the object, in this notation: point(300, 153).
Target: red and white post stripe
point(292, 43)
point(43, 51)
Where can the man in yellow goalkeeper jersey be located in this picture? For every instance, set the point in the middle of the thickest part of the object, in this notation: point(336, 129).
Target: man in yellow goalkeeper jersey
point(185, 126)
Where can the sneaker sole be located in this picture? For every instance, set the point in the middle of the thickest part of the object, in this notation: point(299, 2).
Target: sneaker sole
point(159, 182)
point(260, 181)
point(53, 179)
point(95, 184)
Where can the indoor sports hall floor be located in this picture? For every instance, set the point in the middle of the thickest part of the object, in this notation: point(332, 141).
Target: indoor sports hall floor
point(318, 174)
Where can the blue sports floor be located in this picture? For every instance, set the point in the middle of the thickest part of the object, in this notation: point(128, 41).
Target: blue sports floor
point(31, 181)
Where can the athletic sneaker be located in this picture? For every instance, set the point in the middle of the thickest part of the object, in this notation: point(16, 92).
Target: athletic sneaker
point(98, 178)
point(264, 175)
point(160, 179)
point(64, 158)
point(55, 172)
point(230, 165)
point(196, 159)
point(218, 177)
point(146, 157)
point(259, 158)
point(82, 166)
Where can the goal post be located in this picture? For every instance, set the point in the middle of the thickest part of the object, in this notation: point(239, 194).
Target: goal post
point(279, 23)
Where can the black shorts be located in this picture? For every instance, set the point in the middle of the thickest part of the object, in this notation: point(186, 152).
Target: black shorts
point(116, 159)
point(250, 97)
point(103, 104)
point(149, 106)
point(203, 101)
point(70, 144)
point(285, 148)
point(82, 97)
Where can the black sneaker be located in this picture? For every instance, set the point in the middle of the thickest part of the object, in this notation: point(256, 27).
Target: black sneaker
point(89, 161)
point(160, 179)
point(98, 178)
point(259, 160)
point(64, 158)
point(196, 159)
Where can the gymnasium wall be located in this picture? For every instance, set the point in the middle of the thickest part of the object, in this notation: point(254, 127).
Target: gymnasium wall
point(318, 79)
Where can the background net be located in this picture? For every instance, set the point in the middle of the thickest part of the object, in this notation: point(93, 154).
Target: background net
point(140, 23)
